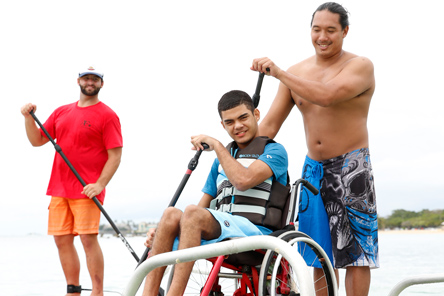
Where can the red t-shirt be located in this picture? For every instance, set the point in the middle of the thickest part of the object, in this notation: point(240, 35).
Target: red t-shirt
point(84, 134)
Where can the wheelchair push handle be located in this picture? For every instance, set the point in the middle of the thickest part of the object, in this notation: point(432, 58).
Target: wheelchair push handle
point(310, 187)
point(294, 199)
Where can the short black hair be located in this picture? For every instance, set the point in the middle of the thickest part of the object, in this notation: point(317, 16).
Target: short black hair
point(233, 99)
point(334, 7)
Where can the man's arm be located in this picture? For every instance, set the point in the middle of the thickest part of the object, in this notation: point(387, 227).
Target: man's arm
point(356, 77)
point(205, 201)
point(110, 167)
point(35, 137)
point(242, 178)
point(279, 111)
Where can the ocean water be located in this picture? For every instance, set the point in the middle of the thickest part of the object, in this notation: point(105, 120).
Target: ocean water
point(29, 265)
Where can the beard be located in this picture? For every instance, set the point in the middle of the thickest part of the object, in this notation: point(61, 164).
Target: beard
point(90, 93)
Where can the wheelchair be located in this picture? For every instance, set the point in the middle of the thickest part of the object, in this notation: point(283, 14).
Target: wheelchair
point(262, 272)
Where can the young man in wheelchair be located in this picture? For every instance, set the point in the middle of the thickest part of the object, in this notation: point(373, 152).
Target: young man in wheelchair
point(247, 188)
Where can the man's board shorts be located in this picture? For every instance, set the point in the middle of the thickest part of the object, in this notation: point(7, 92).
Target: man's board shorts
point(231, 226)
point(342, 218)
point(73, 216)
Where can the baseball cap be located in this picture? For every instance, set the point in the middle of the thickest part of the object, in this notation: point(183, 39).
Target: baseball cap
point(91, 70)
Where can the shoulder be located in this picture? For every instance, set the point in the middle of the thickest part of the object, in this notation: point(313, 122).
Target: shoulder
point(107, 114)
point(275, 156)
point(105, 108)
point(275, 152)
point(352, 60)
point(274, 146)
point(302, 65)
point(64, 108)
point(67, 106)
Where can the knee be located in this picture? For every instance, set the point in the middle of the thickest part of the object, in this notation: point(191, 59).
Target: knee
point(88, 240)
point(358, 274)
point(171, 218)
point(63, 241)
point(195, 215)
point(200, 220)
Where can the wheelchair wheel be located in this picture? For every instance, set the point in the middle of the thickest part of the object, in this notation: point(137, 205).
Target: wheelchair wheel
point(277, 278)
point(225, 284)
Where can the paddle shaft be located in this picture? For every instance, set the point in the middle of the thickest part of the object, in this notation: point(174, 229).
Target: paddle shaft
point(191, 166)
point(59, 150)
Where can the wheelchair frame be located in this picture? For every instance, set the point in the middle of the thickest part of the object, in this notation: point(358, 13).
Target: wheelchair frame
point(217, 251)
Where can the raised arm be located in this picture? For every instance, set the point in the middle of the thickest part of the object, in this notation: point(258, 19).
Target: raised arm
point(356, 76)
point(279, 111)
point(32, 131)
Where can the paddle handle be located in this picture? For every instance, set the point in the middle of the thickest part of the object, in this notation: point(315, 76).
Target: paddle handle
point(256, 97)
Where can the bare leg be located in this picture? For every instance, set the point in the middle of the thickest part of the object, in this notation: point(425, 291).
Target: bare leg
point(197, 223)
point(357, 280)
point(166, 232)
point(320, 281)
point(69, 259)
point(94, 261)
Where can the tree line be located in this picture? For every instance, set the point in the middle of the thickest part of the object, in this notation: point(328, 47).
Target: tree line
point(409, 219)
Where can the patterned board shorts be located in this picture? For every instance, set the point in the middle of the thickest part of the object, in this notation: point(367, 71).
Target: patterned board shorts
point(342, 217)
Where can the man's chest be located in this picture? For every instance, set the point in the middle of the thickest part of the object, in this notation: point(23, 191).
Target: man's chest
point(83, 126)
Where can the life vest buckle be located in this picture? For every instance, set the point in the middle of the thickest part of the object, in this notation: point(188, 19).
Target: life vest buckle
point(226, 208)
point(228, 191)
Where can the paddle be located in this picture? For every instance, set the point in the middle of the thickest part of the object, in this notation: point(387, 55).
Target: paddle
point(256, 96)
point(59, 150)
point(191, 166)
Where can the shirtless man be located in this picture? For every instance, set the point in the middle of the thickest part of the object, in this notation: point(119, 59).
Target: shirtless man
point(332, 90)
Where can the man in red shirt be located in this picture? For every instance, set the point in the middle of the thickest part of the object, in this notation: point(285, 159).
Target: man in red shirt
point(89, 133)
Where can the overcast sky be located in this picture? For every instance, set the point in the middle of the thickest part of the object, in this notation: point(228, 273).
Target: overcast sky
point(166, 65)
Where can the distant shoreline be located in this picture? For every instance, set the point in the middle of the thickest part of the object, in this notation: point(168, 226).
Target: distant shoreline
point(405, 231)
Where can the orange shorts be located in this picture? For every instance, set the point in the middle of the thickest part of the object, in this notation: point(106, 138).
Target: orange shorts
point(73, 216)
